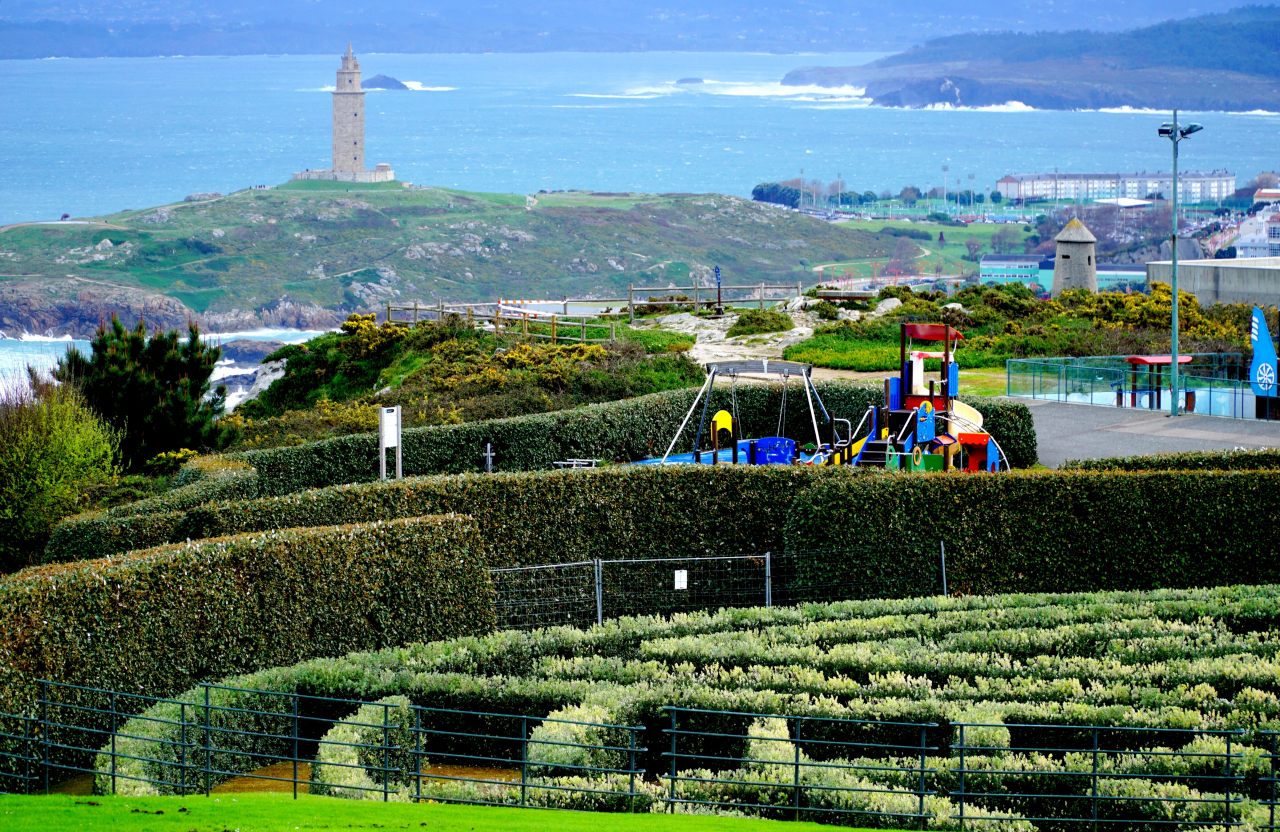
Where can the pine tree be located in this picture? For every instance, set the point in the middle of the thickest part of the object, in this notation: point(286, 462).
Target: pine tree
point(154, 390)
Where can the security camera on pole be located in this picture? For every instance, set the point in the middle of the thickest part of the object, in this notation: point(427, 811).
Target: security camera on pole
point(1175, 134)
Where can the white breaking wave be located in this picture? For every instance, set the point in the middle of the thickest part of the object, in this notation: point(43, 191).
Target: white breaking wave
point(417, 86)
point(627, 96)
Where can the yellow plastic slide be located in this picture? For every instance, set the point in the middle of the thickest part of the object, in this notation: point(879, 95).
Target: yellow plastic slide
point(968, 414)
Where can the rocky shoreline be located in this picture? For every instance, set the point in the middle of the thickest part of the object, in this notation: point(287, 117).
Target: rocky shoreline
point(75, 307)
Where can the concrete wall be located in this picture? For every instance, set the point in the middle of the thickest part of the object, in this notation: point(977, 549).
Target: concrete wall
point(378, 175)
point(1254, 280)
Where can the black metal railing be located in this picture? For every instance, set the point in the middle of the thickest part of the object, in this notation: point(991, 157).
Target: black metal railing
point(1058, 778)
point(1085, 785)
point(320, 744)
point(796, 767)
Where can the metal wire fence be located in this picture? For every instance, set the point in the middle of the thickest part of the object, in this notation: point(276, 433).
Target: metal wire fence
point(587, 592)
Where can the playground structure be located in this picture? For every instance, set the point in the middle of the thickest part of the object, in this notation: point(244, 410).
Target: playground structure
point(921, 426)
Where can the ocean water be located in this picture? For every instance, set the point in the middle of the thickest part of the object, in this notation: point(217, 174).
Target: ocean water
point(42, 354)
point(93, 136)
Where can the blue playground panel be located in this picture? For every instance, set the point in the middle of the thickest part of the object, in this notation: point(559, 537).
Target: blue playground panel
point(771, 450)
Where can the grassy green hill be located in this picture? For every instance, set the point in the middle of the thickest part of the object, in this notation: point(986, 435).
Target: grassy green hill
point(349, 249)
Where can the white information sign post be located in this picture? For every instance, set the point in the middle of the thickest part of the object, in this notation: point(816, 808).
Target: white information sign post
point(388, 437)
point(682, 579)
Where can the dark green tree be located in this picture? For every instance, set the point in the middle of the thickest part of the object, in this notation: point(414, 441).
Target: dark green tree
point(154, 391)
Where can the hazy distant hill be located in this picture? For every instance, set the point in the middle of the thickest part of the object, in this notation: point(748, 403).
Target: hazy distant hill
point(1227, 61)
point(91, 28)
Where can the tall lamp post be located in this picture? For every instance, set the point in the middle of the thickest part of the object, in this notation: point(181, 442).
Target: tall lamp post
point(1175, 134)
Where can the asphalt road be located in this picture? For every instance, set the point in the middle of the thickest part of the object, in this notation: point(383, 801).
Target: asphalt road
point(1081, 431)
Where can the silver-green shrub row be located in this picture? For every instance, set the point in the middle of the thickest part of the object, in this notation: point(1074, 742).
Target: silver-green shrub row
point(627, 670)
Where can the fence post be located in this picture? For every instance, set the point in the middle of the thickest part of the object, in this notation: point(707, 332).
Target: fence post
point(1227, 797)
point(923, 746)
point(584, 330)
point(960, 794)
point(631, 796)
point(761, 297)
point(1272, 823)
point(553, 330)
point(599, 592)
point(613, 331)
point(768, 579)
point(671, 803)
point(695, 296)
point(44, 731)
point(631, 303)
point(295, 746)
point(182, 773)
point(208, 742)
point(417, 757)
point(1095, 779)
point(113, 742)
point(524, 758)
point(386, 751)
point(26, 756)
point(942, 547)
point(796, 785)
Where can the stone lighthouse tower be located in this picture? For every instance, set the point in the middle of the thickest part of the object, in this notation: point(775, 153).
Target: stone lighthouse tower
point(1075, 266)
point(348, 117)
point(348, 131)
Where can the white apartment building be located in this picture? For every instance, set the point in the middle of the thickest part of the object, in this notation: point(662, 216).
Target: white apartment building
point(1193, 186)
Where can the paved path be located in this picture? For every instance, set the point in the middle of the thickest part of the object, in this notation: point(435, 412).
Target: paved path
point(1081, 431)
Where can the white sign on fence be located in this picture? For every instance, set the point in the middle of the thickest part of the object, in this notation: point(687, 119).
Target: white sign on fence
point(682, 579)
point(388, 437)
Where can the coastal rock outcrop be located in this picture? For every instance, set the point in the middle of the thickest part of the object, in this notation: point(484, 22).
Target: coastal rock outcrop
point(76, 308)
point(383, 82)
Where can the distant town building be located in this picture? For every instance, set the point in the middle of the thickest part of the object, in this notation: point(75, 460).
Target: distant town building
point(348, 132)
point(1074, 266)
point(1003, 269)
point(1193, 186)
point(1028, 269)
point(1252, 245)
point(1266, 195)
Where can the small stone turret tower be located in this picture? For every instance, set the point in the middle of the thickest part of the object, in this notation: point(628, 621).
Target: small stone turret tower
point(1075, 266)
point(348, 117)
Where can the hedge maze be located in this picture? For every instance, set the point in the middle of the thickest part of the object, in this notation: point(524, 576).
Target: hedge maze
point(1006, 689)
point(1079, 617)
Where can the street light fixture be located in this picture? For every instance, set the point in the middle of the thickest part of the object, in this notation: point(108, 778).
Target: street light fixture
point(1175, 133)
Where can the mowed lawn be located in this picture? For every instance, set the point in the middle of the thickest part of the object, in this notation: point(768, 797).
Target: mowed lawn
point(272, 812)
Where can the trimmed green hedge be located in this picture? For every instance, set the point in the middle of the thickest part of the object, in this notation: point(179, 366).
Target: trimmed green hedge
point(1263, 458)
point(542, 517)
point(627, 429)
point(158, 621)
point(1062, 531)
point(620, 431)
